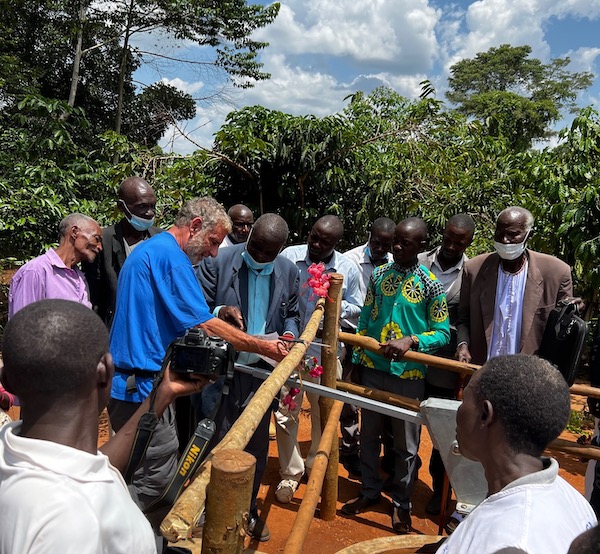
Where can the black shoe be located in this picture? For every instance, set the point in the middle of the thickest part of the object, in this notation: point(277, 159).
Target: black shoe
point(257, 528)
point(351, 463)
point(434, 506)
point(359, 504)
point(401, 520)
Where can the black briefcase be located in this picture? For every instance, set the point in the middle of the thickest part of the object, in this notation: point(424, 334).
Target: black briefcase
point(563, 340)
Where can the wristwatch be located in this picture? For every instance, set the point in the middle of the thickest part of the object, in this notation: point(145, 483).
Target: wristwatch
point(415, 342)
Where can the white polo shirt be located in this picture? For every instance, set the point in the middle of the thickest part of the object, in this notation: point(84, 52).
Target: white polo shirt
point(54, 498)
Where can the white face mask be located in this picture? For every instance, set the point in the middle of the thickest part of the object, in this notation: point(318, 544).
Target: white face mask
point(510, 251)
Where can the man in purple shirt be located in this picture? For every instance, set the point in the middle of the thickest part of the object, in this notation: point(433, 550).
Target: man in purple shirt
point(55, 274)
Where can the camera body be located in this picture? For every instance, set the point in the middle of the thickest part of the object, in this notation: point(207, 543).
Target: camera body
point(198, 354)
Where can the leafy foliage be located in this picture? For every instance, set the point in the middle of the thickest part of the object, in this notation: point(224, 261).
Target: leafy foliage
point(48, 45)
point(515, 96)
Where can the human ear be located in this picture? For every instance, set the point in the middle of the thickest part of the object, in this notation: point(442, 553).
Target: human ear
point(105, 370)
point(195, 226)
point(487, 413)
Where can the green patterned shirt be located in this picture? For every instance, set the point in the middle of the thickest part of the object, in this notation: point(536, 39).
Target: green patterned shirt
point(400, 302)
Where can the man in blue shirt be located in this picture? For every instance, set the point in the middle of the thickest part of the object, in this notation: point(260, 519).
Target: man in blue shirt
point(158, 299)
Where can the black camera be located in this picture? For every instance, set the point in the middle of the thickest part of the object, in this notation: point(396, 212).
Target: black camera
point(198, 354)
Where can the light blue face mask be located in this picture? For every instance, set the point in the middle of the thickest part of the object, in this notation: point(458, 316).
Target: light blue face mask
point(265, 268)
point(138, 223)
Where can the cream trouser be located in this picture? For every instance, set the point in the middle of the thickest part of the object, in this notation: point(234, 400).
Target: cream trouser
point(291, 465)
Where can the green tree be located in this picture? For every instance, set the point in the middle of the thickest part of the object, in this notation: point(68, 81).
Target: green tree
point(83, 52)
point(382, 155)
point(568, 206)
point(516, 96)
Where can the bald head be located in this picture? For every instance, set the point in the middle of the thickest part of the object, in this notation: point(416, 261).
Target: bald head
point(242, 220)
point(137, 201)
point(323, 238)
point(272, 226)
point(268, 236)
point(416, 225)
point(51, 349)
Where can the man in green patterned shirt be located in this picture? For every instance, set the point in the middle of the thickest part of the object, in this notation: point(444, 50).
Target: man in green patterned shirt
point(405, 308)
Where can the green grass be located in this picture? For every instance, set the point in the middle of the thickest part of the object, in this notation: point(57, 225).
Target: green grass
point(581, 422)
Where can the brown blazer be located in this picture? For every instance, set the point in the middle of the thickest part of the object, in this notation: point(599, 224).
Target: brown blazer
point(548, 281)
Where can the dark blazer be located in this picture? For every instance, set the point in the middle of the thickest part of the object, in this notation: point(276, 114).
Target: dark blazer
point(453, 293)
point(436, 376)
point(102, 274)
point(224, 280)
point(548, 282)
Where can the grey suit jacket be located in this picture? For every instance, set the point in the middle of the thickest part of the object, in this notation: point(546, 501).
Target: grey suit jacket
point(224, 280)
point(548, 282)
point(102, 274)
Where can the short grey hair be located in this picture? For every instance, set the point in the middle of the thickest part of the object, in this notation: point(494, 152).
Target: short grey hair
point(74, 219)
point(212, 213)
point(518, 210)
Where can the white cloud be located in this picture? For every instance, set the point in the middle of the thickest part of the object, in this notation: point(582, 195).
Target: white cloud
point(190, 88)
point(494, 22)
point(584, 59)
point(385, 32)
point(323, 50)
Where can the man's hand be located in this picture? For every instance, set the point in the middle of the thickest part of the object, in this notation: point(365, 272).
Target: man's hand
point(577, 300)
point(463, 354)
point(233, 316)
point(275, 349)
point(174, 385)
point(396, 348)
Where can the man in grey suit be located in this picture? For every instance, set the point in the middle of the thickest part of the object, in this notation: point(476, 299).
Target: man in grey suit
point(446, 263)
point(253, 288)
point(137, 202)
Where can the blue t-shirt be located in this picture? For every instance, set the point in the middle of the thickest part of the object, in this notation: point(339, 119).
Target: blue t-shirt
point(158, 299)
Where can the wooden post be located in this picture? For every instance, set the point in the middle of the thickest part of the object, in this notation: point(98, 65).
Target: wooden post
point(228, 497)
point(329, 359)
point(187, 509)
point(306, 512)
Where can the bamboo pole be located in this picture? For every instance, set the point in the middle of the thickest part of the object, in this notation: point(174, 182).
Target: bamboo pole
point(187, 509)
point(369, 343)
point(381, 395)
point(585, 390)
point(228, 496)
point(587, 451)
point(329, 360)
point(306, 512)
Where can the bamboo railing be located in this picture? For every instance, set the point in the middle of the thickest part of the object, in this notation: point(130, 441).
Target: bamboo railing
point(561, 445)
point(187, 509)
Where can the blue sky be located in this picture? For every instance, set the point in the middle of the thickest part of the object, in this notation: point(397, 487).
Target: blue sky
point(323, 50)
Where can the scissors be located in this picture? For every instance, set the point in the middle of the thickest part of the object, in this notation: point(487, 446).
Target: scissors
point(300, 341)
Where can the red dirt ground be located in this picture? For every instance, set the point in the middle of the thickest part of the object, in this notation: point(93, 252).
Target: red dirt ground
point(343, 531)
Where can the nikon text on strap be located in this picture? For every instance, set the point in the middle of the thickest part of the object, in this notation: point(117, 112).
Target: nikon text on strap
point(195, 451)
